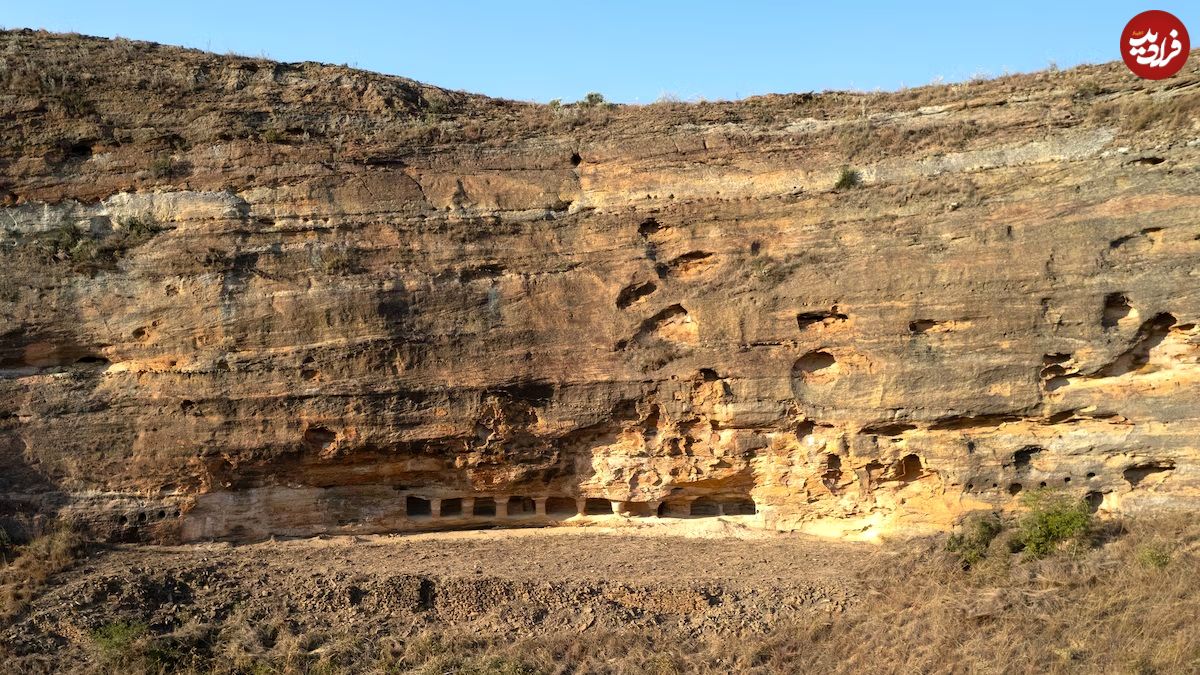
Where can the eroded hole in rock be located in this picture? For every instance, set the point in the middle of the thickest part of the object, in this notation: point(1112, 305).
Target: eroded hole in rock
point(1138, 239)
point(417, 507)
point(690, 263)
point(477, 273)
point(648, 227)
point(1023, 457)
point(1150, 335)
point(1094, 501)
point(576, 160)
point(812, 362)
point(452, 508)
point(708, 375)
point(534, 392)
point(1139, 472)
point(907, 468)
point(561, 507)
point(705, 507)
point(92, 360)
point(1116, 307)
point(672, 324)
point(739, 506)
point(634, 292)
point(889, 429)
point(1014, 489)
point(921, 326)
point(805, 428)
point(79, 151)
point(832, 473)
point(1147, 161)
point(485, 507)
point(318, 437)
point(824, 317)
point(597, 507)
point(521, 507)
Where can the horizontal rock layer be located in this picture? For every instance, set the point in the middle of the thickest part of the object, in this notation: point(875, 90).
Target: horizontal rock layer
point(242, 298)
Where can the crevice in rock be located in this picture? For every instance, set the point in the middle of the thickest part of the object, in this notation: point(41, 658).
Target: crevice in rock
point(634, 292)
point(961, 422)
point(1149, 335)
point(1116, 307)
point(690, 264)
point(672, 324)
point(1137, 473)
point(893, 429)
point(824, 317)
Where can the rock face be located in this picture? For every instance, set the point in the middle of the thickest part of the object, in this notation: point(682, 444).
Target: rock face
point(241, 298)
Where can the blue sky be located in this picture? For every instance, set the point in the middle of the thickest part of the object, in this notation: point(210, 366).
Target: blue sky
point(629, 51)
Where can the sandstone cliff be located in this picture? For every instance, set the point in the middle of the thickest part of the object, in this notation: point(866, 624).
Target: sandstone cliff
point(241, 298)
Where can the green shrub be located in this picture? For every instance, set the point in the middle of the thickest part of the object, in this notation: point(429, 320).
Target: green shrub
point(1053, 518)
point(273, 135)
point(118, 641)
point(972, 542)
point(1154, 555)
point(848, 179)
point(593, 98)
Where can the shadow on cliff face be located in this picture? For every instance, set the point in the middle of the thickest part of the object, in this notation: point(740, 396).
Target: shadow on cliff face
point(29, 499)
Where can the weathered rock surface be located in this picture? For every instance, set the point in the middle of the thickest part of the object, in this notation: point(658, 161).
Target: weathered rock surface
point(241, 298)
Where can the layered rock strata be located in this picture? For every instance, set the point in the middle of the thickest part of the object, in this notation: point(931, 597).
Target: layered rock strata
point(241, 298)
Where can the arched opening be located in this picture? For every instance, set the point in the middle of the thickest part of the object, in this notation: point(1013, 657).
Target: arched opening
point(673, 510)
point(485, 507)
point(705, 507)
point(417, 507)
point(452, 508)
point(521, 507)
point(597, 507)
point(637, 509)
point(561, 507)
point(739, 506)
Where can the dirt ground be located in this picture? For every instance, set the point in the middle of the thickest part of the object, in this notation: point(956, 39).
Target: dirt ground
point(719, 580)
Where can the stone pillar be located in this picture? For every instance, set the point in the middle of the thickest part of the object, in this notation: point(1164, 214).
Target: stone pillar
point(581, 506)
point(616, 507)
point(654, 508)
point(468, 507)
point(435, 507)
point(539, 504)
point(501, 506)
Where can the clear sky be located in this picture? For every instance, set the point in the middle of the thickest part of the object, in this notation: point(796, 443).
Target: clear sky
point(629, 51)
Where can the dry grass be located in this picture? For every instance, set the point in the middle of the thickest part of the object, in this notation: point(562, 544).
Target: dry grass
point(29, 566)
point(1126, 605)
point(1143, 112)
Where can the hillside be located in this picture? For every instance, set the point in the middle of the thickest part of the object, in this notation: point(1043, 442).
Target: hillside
point(243, 298)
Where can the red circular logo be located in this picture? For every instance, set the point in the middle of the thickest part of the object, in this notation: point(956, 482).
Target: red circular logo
point(1155, 44)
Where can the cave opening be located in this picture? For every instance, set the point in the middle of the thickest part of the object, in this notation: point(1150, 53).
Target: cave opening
point(417, 507)
point(705, 507)
point(561, 507)
point(739, 506)
point(597, 507)
point(452, 508)
point(485, 507)
point(521, 507)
